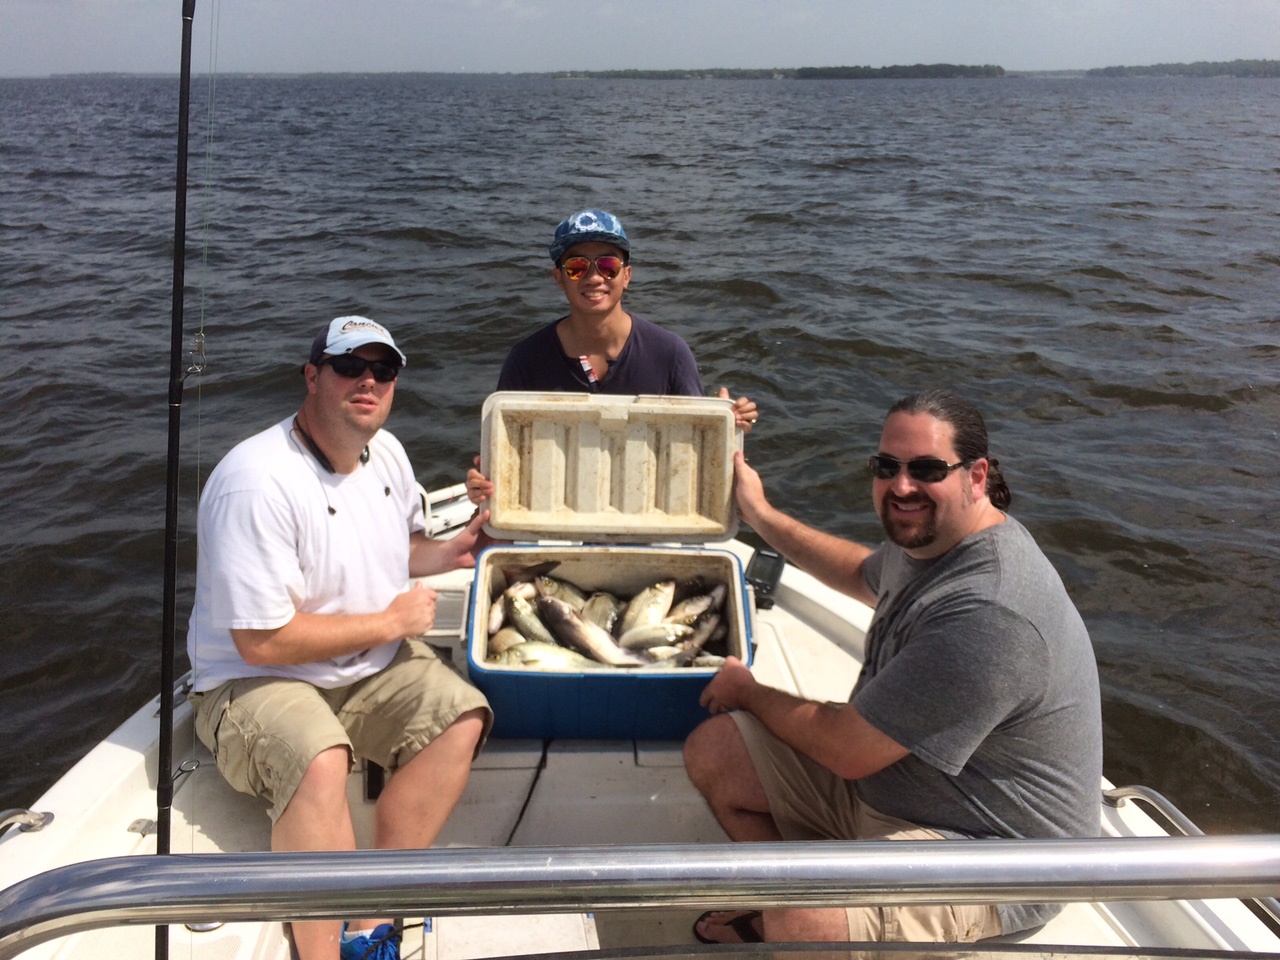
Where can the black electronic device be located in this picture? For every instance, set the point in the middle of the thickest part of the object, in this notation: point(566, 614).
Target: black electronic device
point(763, 573)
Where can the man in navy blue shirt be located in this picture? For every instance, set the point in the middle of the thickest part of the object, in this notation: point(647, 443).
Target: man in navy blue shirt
point(598, 347)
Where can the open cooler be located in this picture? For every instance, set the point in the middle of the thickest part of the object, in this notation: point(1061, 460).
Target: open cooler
point(620, 492)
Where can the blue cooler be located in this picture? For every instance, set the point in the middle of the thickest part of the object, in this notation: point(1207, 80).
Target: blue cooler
point(647, 483)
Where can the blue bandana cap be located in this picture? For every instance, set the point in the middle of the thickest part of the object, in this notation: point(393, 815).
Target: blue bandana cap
point(585, 227)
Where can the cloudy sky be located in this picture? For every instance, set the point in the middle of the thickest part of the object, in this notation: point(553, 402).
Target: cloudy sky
point(39, 37)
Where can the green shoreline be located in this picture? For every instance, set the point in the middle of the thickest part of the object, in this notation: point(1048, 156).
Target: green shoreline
point(915, 71)
point(1232, 68)
point(1203, 68)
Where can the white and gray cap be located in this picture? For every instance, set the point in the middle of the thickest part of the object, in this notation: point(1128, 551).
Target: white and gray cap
point(345, 334)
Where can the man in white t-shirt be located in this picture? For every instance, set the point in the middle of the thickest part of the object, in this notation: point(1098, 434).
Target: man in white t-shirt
point(309, 533)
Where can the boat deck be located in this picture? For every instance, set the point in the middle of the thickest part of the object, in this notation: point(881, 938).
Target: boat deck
point(529, 793)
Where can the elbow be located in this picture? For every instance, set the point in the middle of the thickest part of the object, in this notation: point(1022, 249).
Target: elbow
point(254, 647)
point(254, 657)
point(852, 768)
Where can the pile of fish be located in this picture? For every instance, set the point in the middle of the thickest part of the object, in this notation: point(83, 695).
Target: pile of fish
point(541, 622)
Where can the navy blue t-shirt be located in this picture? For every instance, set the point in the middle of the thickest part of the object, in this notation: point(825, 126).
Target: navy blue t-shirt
point(653, 361)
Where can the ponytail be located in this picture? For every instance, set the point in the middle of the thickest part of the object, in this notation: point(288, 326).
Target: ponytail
point(998, 491)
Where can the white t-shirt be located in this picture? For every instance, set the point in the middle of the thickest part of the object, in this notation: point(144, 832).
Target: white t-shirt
point(277, 533)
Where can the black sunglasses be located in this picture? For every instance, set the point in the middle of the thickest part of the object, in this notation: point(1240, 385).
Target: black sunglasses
point(921, 469)
point(350, 366)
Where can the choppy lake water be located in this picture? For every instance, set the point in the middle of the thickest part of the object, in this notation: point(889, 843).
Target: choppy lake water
point(1095, 262)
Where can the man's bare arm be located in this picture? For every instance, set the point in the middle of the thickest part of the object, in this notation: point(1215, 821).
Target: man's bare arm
point(835, 736)
point(428, 556)
point(311, 637)
point(836, 562)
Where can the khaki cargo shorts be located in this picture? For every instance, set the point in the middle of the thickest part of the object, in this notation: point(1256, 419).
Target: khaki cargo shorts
point(809, 802)
point(265, 731)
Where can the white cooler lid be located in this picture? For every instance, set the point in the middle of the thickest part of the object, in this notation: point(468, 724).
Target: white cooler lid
point(609, 469)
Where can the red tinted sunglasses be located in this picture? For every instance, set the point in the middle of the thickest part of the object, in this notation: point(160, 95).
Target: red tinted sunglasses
point(575, 268)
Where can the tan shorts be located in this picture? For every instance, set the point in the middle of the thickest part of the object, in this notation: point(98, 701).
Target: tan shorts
point(809, 802)
point(264, 731)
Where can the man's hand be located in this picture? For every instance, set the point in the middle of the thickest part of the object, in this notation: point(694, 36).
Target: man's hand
point(471, 540)
point(729, 689)
point(428, 556)
point(745, 413)
point(479, 487)
point(413, 611)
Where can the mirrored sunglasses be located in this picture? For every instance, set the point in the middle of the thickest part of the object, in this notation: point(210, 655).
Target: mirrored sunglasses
point(350, 366)
point(921, 469)
point(575, 268)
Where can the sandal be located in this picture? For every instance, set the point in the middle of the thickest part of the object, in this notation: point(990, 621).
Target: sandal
point(739, 926)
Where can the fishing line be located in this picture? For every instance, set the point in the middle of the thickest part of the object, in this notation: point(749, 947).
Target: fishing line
point(197, 354)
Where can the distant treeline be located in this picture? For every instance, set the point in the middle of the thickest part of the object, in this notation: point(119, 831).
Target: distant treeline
point(926, 70)
point(932, 71)
point(1235, 68)
point(709, 74)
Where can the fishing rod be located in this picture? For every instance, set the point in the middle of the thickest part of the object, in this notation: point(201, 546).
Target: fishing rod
point(164, 778)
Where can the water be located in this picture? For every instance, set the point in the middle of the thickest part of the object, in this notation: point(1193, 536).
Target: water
point(1093, 261)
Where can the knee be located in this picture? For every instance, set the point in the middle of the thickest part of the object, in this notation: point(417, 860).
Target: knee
point(706, 748)
point(470, 729)
point(325, 779)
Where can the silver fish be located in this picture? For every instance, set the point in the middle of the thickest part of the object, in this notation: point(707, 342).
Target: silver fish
point(716, 642)
point(661, 654)
point(535, 655)
point(497, 615)
point(708, 628)
point(498, 612)
point(690, 610)
point(524, 589)
point(603, 609)
point(524, 575)
point(514, 575)
point(650, 605)
point(654, 635)
point(525, 619)
point(673, 658)
point(562, 590)
point(504, 640)
point(690, 587)
point(690, 650)
point(581, 634)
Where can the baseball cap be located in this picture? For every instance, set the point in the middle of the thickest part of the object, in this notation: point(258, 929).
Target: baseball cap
point(586, 226)
point(345, 334)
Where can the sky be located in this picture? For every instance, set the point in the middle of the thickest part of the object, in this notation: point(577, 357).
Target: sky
point(42, 37)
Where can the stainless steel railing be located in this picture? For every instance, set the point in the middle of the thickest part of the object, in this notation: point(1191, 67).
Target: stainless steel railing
point(25, 820)
point(249, 887)
point(1269, 906)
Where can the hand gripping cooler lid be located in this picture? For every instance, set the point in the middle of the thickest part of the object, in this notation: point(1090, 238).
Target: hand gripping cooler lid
point(609, 469)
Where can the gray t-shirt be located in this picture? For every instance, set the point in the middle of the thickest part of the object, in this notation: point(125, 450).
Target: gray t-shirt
point(979, 664)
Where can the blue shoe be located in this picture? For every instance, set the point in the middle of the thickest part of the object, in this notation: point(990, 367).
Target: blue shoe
point(382, 944)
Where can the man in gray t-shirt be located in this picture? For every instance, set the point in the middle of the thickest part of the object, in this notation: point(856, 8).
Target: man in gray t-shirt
point(977, 712)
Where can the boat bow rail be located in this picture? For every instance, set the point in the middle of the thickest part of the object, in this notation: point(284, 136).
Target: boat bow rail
point(1184, 825)
point(196, 888)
